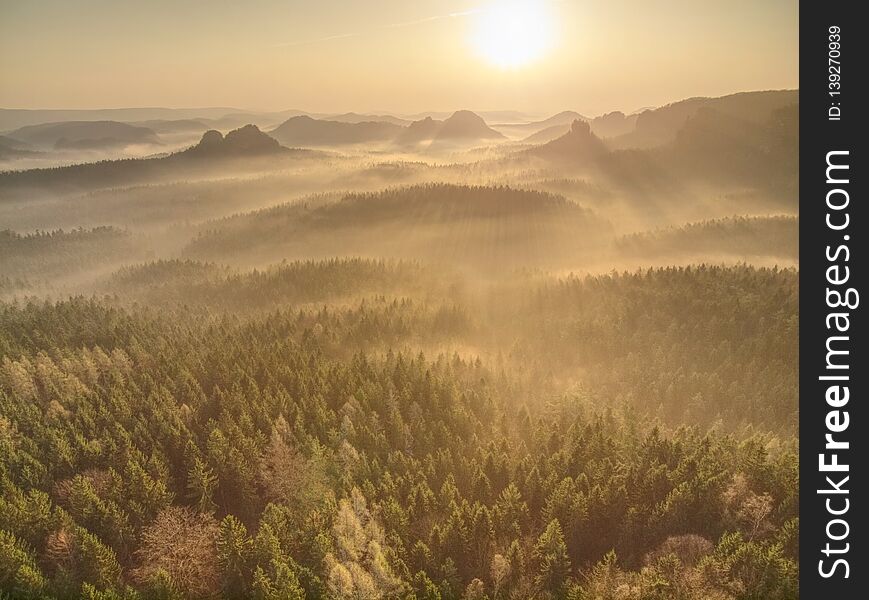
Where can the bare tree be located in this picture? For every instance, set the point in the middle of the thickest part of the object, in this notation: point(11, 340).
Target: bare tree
point(182, 544)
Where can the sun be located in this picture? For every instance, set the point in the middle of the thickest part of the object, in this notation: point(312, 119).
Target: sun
point(513, 33)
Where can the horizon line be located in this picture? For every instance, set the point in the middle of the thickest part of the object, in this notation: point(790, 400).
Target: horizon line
point(387, 112)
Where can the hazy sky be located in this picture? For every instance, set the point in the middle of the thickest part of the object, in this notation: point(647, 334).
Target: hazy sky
point(393, 55)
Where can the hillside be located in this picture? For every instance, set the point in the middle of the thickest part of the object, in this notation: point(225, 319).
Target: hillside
point(402, 300)
point(45, 257)
point(296, 438)
point(465, 125)
point(613, 124)
point(11, 149)
point(480, 227)
point(184, 282)
point(418, 132)
point(739, 237)
point(718, 146)
point(577, 146)
point(244, 149)
point(84, 135)
point(659, 126)
point(547, 135)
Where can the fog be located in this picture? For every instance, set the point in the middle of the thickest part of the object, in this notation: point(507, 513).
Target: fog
point(446, 224)
point(484, 208)
point(245, 327)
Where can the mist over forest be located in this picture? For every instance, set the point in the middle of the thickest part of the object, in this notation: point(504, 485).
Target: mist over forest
point(287, 355)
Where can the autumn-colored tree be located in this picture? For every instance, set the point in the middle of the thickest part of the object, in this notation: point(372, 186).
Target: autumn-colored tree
point(181, 544)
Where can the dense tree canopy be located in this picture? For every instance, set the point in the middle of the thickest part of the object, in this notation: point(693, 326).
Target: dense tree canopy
point(383, 448)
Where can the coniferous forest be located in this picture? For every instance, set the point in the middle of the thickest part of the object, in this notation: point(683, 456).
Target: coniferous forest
point(517, 371)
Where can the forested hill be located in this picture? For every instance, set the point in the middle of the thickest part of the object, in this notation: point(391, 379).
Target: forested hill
point(184, 451)
point(246, 149)
point(488, 227)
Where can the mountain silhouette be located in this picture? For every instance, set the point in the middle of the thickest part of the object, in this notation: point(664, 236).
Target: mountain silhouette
point(547, 135)
point(605, 126)
point(613, 124)
point(13, 118)
point(726, 148)
point(352, 117)
point(659, 126)
point(245, 141)
point(246, 148)
point(466, 125)
point(174, 125)
point(423, 130)
point(307, 131)
point(84, 135)
point(564, 118)
point(576, 145)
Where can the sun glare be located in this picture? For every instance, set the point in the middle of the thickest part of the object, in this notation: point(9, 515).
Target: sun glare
point(513, 33)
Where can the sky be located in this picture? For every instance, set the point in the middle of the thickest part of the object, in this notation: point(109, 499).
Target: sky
point(399, 56)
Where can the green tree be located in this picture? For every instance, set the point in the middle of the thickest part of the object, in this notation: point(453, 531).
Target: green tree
point(551, 561)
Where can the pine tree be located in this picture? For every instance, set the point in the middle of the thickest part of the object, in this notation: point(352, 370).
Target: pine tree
point(551, 560)
point(234, 548)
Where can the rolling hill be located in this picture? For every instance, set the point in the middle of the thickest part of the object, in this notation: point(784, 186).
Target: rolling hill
point(739, 237)
point(480, 227)
point(307, 131)
point(13, 118)
point(11, 149)
point(174, 125)
point(352, 117)
point(84, 135)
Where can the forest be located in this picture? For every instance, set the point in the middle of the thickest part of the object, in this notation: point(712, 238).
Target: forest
point(503, 370)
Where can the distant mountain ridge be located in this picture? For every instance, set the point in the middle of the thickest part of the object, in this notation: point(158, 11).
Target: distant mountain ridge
point(84, 135)
point(14, 118)
point(352, 117)
point(461, 126)
point(419, 131)
point(12, 149)
point(565, 117)
point(605, 126)
point(173, 125)
point(659, 126)
point(307, 131)
point(247, 143)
